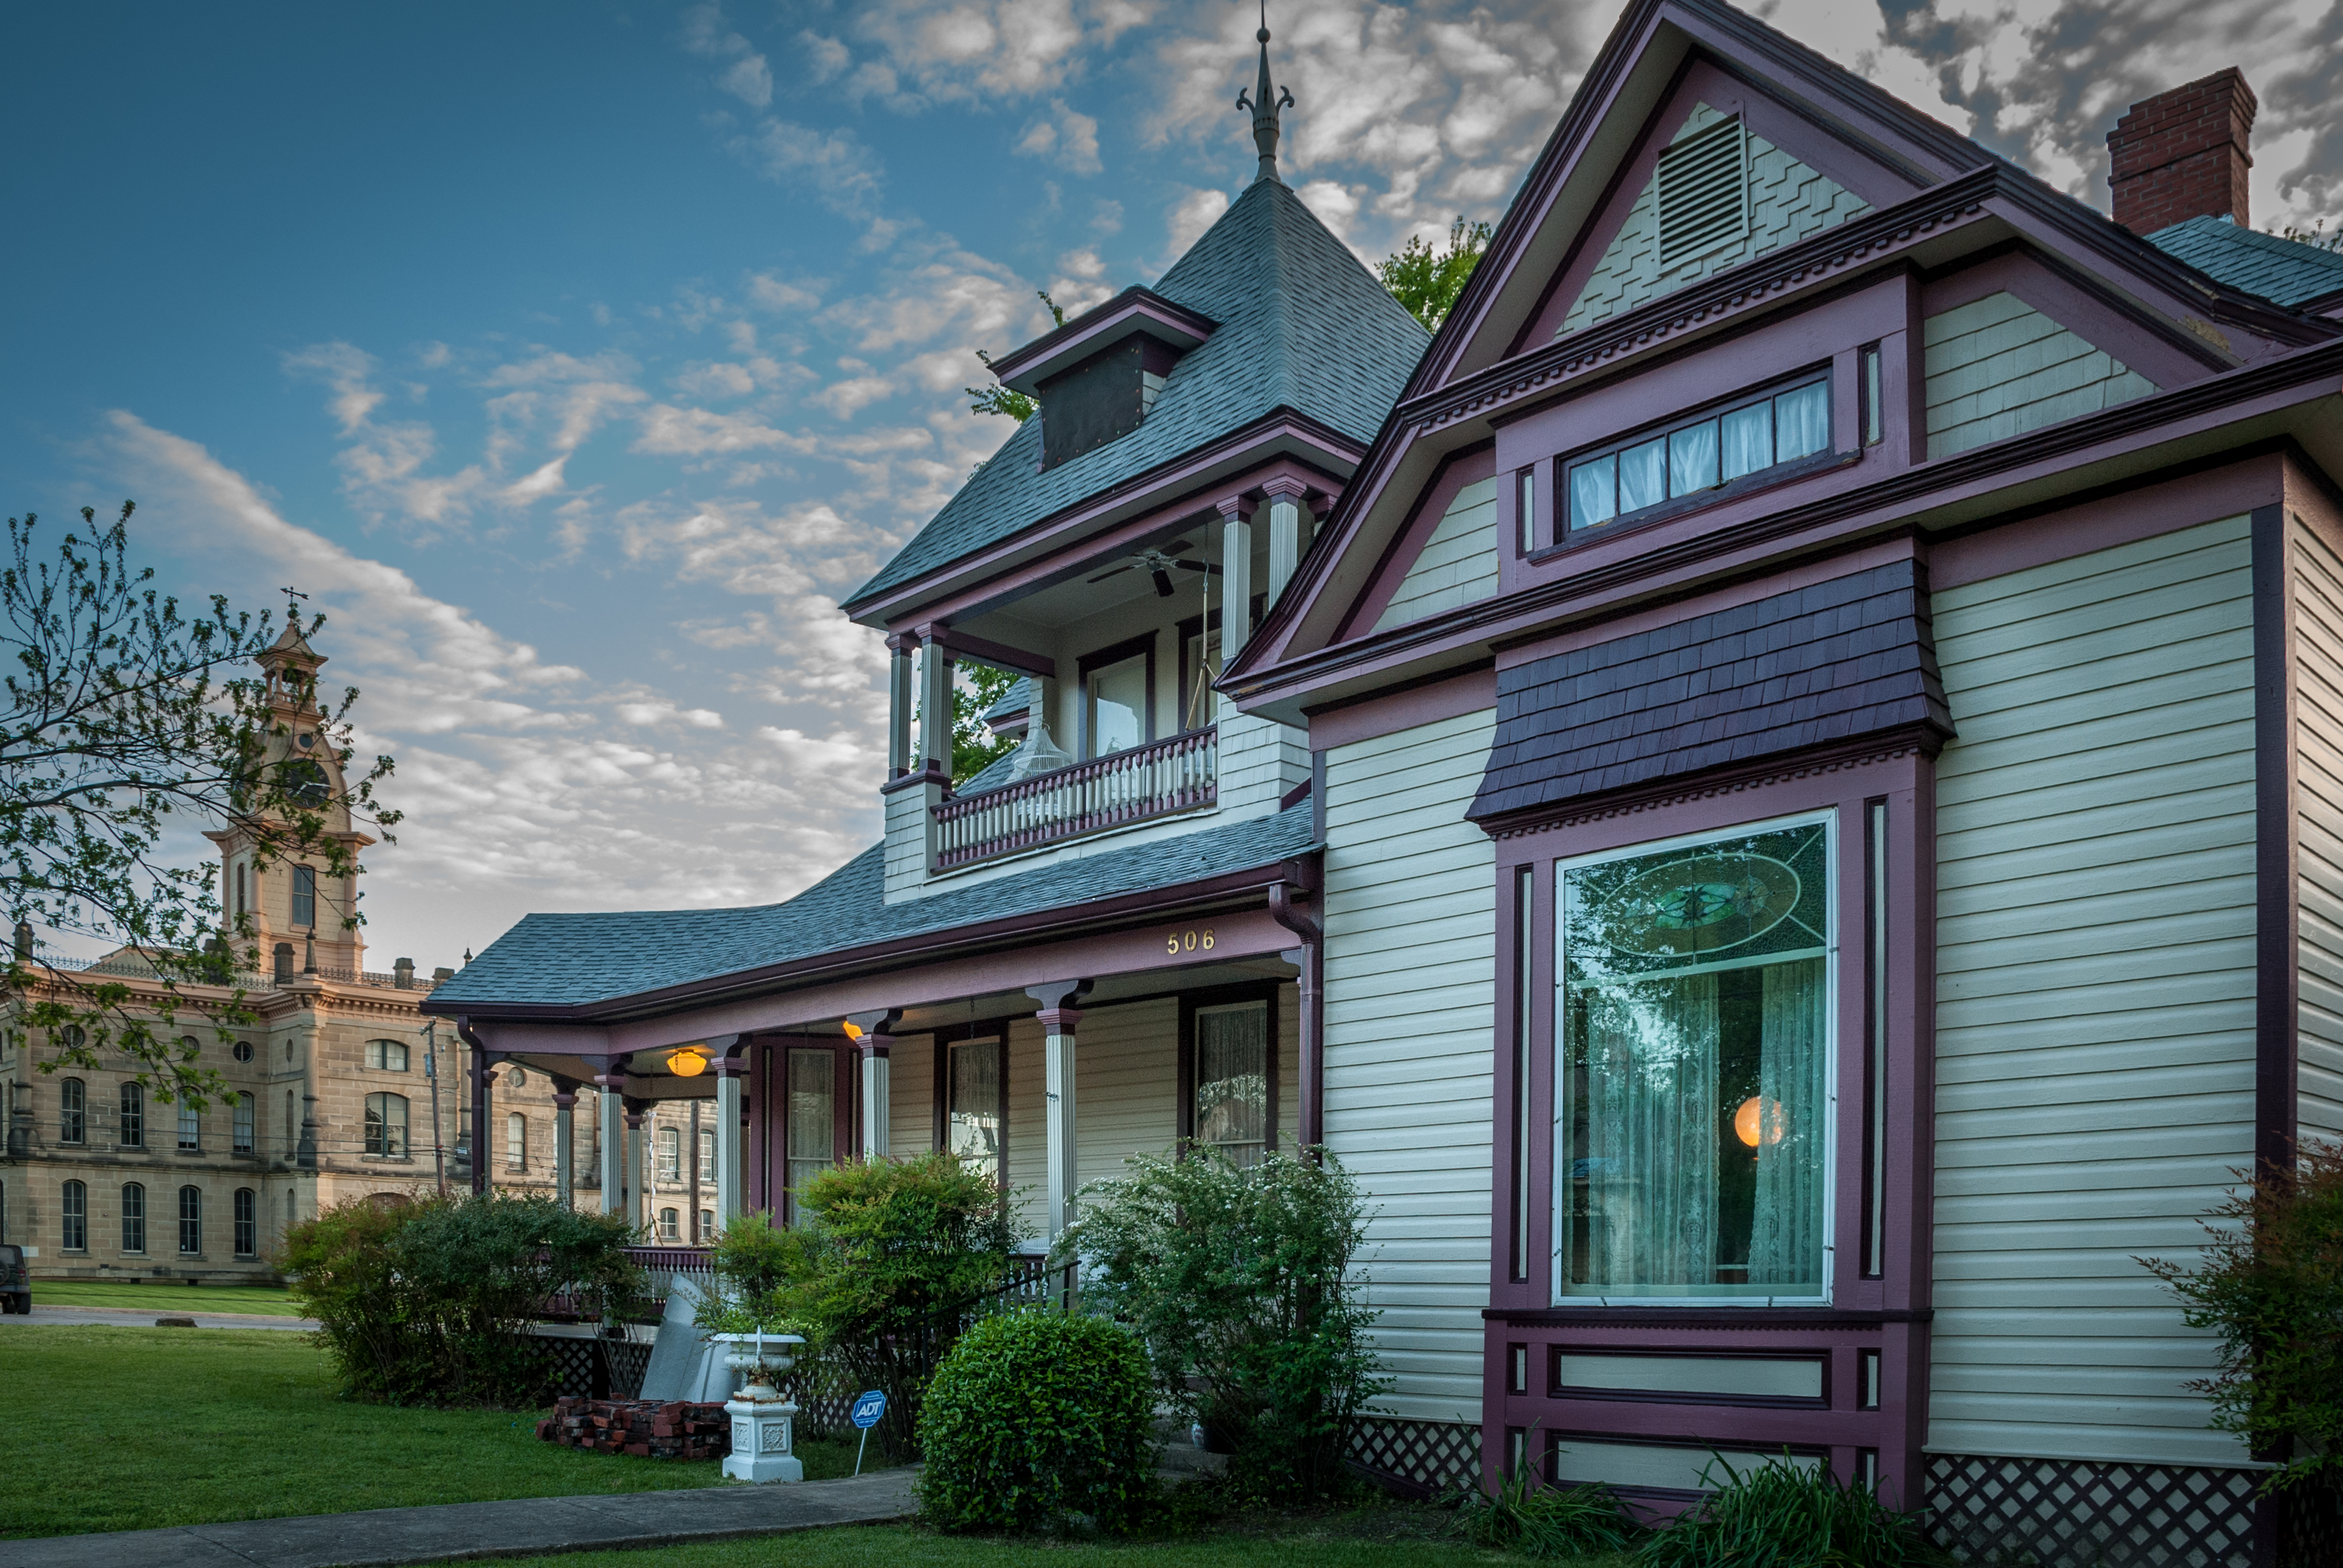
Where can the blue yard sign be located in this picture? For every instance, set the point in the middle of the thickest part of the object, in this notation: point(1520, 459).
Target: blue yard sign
point(867, 1409)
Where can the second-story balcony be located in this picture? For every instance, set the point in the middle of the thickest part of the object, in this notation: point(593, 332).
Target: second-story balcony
point(1158, 778)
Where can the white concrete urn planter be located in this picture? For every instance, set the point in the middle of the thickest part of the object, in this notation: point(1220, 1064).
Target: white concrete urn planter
point(762, 1421)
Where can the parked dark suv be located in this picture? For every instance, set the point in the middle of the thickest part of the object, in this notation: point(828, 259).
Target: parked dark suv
point(15, 1285)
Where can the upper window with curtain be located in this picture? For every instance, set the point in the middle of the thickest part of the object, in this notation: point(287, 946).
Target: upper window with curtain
point(1677, 467)
point(1691, 1135)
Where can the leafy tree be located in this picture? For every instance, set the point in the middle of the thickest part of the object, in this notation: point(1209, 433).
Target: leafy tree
point(123, 723)
point(999, 400)
point(1427, 281)
point(974, 746)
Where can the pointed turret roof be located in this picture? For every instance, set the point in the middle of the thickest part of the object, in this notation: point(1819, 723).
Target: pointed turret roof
point(1302, 327)
point(291, 648)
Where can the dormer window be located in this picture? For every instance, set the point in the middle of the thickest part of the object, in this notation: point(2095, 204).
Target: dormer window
point(1097, 375)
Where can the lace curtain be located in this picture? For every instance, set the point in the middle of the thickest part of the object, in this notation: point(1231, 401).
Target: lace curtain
point(1650, 1157)
point(1786, 1240)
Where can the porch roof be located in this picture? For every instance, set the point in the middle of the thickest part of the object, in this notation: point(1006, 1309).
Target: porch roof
point(576, 958)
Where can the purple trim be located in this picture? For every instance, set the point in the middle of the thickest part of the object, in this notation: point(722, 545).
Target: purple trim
point(986, 651)
point(1267, 993)
point(2120, 516)
point(2277, 953)
point(1134, 309)
point(1403, 707)
point(1115, 653)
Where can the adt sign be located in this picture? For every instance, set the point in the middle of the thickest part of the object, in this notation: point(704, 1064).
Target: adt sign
point(869, 1408)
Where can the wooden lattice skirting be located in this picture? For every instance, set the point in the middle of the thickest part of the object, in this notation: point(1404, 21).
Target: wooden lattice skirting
point(2085, 1513)
point(1416, 1458)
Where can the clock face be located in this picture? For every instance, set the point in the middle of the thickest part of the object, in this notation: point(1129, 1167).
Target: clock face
point(304, 782)
point(1701, 904)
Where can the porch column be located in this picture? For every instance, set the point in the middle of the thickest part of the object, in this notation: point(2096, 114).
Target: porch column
point(634, 1118)
point(614, 1141)
point(1057, 1023)
point(479, 1119)
point(1236, 575)
point(565, 1105)
point(729, 1071)
point(872, 1045)
point(1289, 525)
point(898, 706)
point(935, 704)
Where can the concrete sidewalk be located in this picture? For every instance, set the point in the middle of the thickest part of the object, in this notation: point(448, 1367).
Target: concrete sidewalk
point(144, 1318)
point(523, 1527)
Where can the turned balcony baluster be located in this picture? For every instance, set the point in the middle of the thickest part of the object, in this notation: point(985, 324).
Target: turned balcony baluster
point(1178, 774)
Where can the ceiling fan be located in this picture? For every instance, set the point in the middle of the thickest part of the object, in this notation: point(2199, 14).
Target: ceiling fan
point(1160, 565)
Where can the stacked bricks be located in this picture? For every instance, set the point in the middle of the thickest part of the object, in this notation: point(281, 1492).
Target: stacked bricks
point(2182, 154)
point(646, 1428)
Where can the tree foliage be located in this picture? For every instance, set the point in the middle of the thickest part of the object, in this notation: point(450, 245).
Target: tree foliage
point(1238, 1280)
point(999, 400)
point(129, 720)
point(2270, 1284)
point(1427, 281)
point(975, 746)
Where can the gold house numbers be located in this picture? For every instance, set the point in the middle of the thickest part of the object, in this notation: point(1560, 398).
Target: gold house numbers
point(1195, 940)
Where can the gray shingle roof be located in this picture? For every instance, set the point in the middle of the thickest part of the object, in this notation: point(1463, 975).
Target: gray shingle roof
point(570, 959)
point(1302, 325)
point(2283, 271)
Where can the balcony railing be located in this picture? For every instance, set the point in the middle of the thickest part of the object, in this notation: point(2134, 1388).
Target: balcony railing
point(1123, 787)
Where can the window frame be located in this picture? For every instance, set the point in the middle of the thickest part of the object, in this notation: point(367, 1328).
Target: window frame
point(1085, 715)
point(191, 1127)
point(670, 1229)
point(244, 1219)
point(304, 890)
point(244, 1124)
point(73, 1111)
point(1567, 537)
point(704, 1154)
point(376, 1125)
point(1553, 1045)
point(191, 1220)
point(1191, 1004)
point(134, 1218)
point(995, 1033)
point(670, 1158)
point(515, 1140)
point(377, 1055)
point(130, 1124)
point(841, 1135)
point(72, 1217)
point(1191, 628)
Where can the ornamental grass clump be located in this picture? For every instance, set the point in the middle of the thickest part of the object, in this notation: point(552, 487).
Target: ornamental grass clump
point(2270, 1284)
point(1523, 1515)
point(1237, 1279)
point(1038, 1420)
point(1777, 1514)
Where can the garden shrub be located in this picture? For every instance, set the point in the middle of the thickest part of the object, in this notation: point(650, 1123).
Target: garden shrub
point(1237, 1279)
point(422, 1303)
point(1523, 1515)
point(1777, 1515)
point(1038, 1420)
point(2270, 1283)
point(892, 1250)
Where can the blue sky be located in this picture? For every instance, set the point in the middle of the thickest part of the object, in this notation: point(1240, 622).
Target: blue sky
point(577, 358)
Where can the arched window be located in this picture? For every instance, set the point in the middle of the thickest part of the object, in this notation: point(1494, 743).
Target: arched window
point(191, 1220)
point(133, 1132)
point(284, 955)
point(305, 896)
point(517, 1141)
point(386, 1055)
point(386, 1125)
point(247, 1224)
point(134, 1218)
point(707, 1155)
point(667, 1231)
point(707, 1231)
point(72, 1110)
point(75, 1213)
point(243, 1144)
point(669, 1141)
point(191, 1126)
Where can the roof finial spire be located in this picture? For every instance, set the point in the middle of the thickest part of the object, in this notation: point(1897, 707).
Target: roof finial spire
point(1266, 105)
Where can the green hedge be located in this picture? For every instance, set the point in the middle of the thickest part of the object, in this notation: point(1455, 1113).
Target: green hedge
point(1038, 1420)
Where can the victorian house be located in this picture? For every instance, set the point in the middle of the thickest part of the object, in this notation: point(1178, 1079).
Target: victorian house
point(1770, 791)
point(335, 1090)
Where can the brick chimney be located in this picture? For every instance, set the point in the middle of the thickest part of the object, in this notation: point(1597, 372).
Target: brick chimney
point(2182, 154)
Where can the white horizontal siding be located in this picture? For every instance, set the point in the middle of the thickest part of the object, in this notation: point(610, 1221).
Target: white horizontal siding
point(912, 1095)
point(1459, 563)
point(2094, 996)
point(1411, 967)
point(2318, 783)
point(1997, 368)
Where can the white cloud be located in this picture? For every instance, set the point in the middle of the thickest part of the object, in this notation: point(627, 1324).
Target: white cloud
point(1190, 214)
point(749, 80)
point(1064, 137)
point(835, 166)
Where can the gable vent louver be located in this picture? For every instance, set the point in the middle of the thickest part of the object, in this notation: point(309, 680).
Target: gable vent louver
point(1704, 193)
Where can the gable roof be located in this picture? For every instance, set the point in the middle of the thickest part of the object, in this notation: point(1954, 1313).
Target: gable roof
point(571, 960)
point(2282, 271)
point(1303, 326)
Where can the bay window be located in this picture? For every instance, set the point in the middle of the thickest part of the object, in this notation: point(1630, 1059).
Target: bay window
point(1692, 1114)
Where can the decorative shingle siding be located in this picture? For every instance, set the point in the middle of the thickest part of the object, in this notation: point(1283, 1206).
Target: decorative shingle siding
point(1787, 201)
point(1997, 368)
point(1410, 977)
point(1459, 563)
point(1842, 659)
point(2095, 990)
point(2318, 780)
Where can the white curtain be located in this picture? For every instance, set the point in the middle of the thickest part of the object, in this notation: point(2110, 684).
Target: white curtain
point(1650, 1143)
point(1786, 1241)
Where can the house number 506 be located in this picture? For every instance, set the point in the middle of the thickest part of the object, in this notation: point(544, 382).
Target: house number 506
point(1189, 941)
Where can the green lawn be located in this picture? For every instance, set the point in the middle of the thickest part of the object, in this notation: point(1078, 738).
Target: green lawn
point(193, 1427)
point(907, 1546)
point(166, 1298)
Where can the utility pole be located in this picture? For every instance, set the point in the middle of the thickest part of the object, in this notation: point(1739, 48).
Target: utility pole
point(430, 1032)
